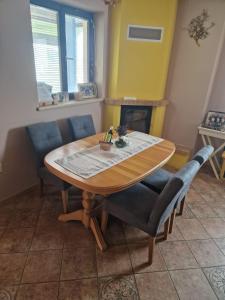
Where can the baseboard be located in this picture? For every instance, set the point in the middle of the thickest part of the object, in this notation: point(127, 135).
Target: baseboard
point(30, 189)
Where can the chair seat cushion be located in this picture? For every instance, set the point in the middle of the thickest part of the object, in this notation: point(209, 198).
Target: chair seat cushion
point(133, 205)
point(49, 178)
point(158, 180)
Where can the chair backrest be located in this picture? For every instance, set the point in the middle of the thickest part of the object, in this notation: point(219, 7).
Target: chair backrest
point(81, 126)
point(44, 137)
point(164, 204)
point(174, 190)
point(187, 174)
point(203, 154)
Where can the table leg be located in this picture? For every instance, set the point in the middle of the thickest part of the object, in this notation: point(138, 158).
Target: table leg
point(98, 234)
point(91, 222)
point(87, 203)
point(73, 216)
point(84, 215)
point(210, 159)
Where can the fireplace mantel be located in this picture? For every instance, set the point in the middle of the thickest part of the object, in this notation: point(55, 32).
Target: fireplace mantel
point(142, 102)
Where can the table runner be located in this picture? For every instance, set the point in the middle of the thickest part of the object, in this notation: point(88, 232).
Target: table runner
point(89, 162)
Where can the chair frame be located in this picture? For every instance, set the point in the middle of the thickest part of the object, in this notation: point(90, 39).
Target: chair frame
point(160, 237)
point(64, 193)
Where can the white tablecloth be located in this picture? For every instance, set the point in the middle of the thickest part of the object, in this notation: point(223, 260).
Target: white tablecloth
point(89, 162)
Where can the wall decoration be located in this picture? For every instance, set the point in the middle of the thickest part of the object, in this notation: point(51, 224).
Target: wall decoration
point(88, 90)
point(198, 28)
point(215, 120)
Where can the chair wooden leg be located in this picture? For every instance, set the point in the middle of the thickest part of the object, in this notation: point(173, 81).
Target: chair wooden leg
point(181, 207)
point(222, 172)
point(41, 187)
point(151, 250)
point(65, 196)
point(104, 220)
point(166, 229)
point(172, 220)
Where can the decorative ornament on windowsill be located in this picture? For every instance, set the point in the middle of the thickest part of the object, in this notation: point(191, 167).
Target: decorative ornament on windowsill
point(198, 28)
point(111, 2)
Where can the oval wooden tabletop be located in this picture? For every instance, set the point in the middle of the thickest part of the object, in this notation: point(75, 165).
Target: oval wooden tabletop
point(116, 178)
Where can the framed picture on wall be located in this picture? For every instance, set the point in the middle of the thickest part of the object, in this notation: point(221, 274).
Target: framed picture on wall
point(87, 90)
point(215, 120)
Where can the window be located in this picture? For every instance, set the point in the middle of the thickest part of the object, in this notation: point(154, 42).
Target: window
point(63, 42)
point(46, 46)
point(76, 51)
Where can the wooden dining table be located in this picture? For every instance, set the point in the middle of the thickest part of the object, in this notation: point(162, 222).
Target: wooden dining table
point(117, 178)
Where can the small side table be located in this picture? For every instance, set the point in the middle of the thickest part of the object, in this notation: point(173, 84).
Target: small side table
point(207, 135)
point(222, 172)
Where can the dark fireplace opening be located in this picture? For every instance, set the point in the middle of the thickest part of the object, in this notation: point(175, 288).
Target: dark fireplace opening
point(136, 118)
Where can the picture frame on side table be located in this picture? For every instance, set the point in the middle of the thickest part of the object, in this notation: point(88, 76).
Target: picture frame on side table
point(88, 90)
point(215, 120)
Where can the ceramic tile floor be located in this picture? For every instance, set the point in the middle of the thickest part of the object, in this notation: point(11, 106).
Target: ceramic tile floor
point(41, 258)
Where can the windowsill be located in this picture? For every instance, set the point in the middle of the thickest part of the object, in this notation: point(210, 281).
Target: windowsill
point(70, 103)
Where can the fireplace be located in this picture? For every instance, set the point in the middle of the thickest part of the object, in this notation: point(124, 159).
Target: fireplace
point(136, 118)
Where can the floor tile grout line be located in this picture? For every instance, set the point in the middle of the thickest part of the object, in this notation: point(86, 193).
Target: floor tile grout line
point(97, 277)
point(193, 252)
point(133, 272)
point(207, 232)
point(168, 272)
point(173, 285)
point(210, 238)
point(27, 255)
point(160, 251)
point(60, 271)
point(209, 282)
point(201, 269)
point(128, 273)
point(173, 241)
point(64, 280)
point(132, 268)
point(28, 252)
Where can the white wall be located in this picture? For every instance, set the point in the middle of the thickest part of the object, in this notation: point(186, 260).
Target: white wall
point(191, 71)
point(18, 93)
point(217, 99)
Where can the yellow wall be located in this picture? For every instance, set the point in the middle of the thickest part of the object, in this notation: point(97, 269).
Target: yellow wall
point(139, 69)
point(136, 68)
point(111, 116)
point(178, 160)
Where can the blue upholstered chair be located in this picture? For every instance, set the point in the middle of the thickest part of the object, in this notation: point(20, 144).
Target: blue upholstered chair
point(186, 174)
point(81, 126)
point(159, 179)
point(46, 137)
point(143, 208)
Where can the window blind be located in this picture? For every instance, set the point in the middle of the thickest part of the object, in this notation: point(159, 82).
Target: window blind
point(46, 46)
